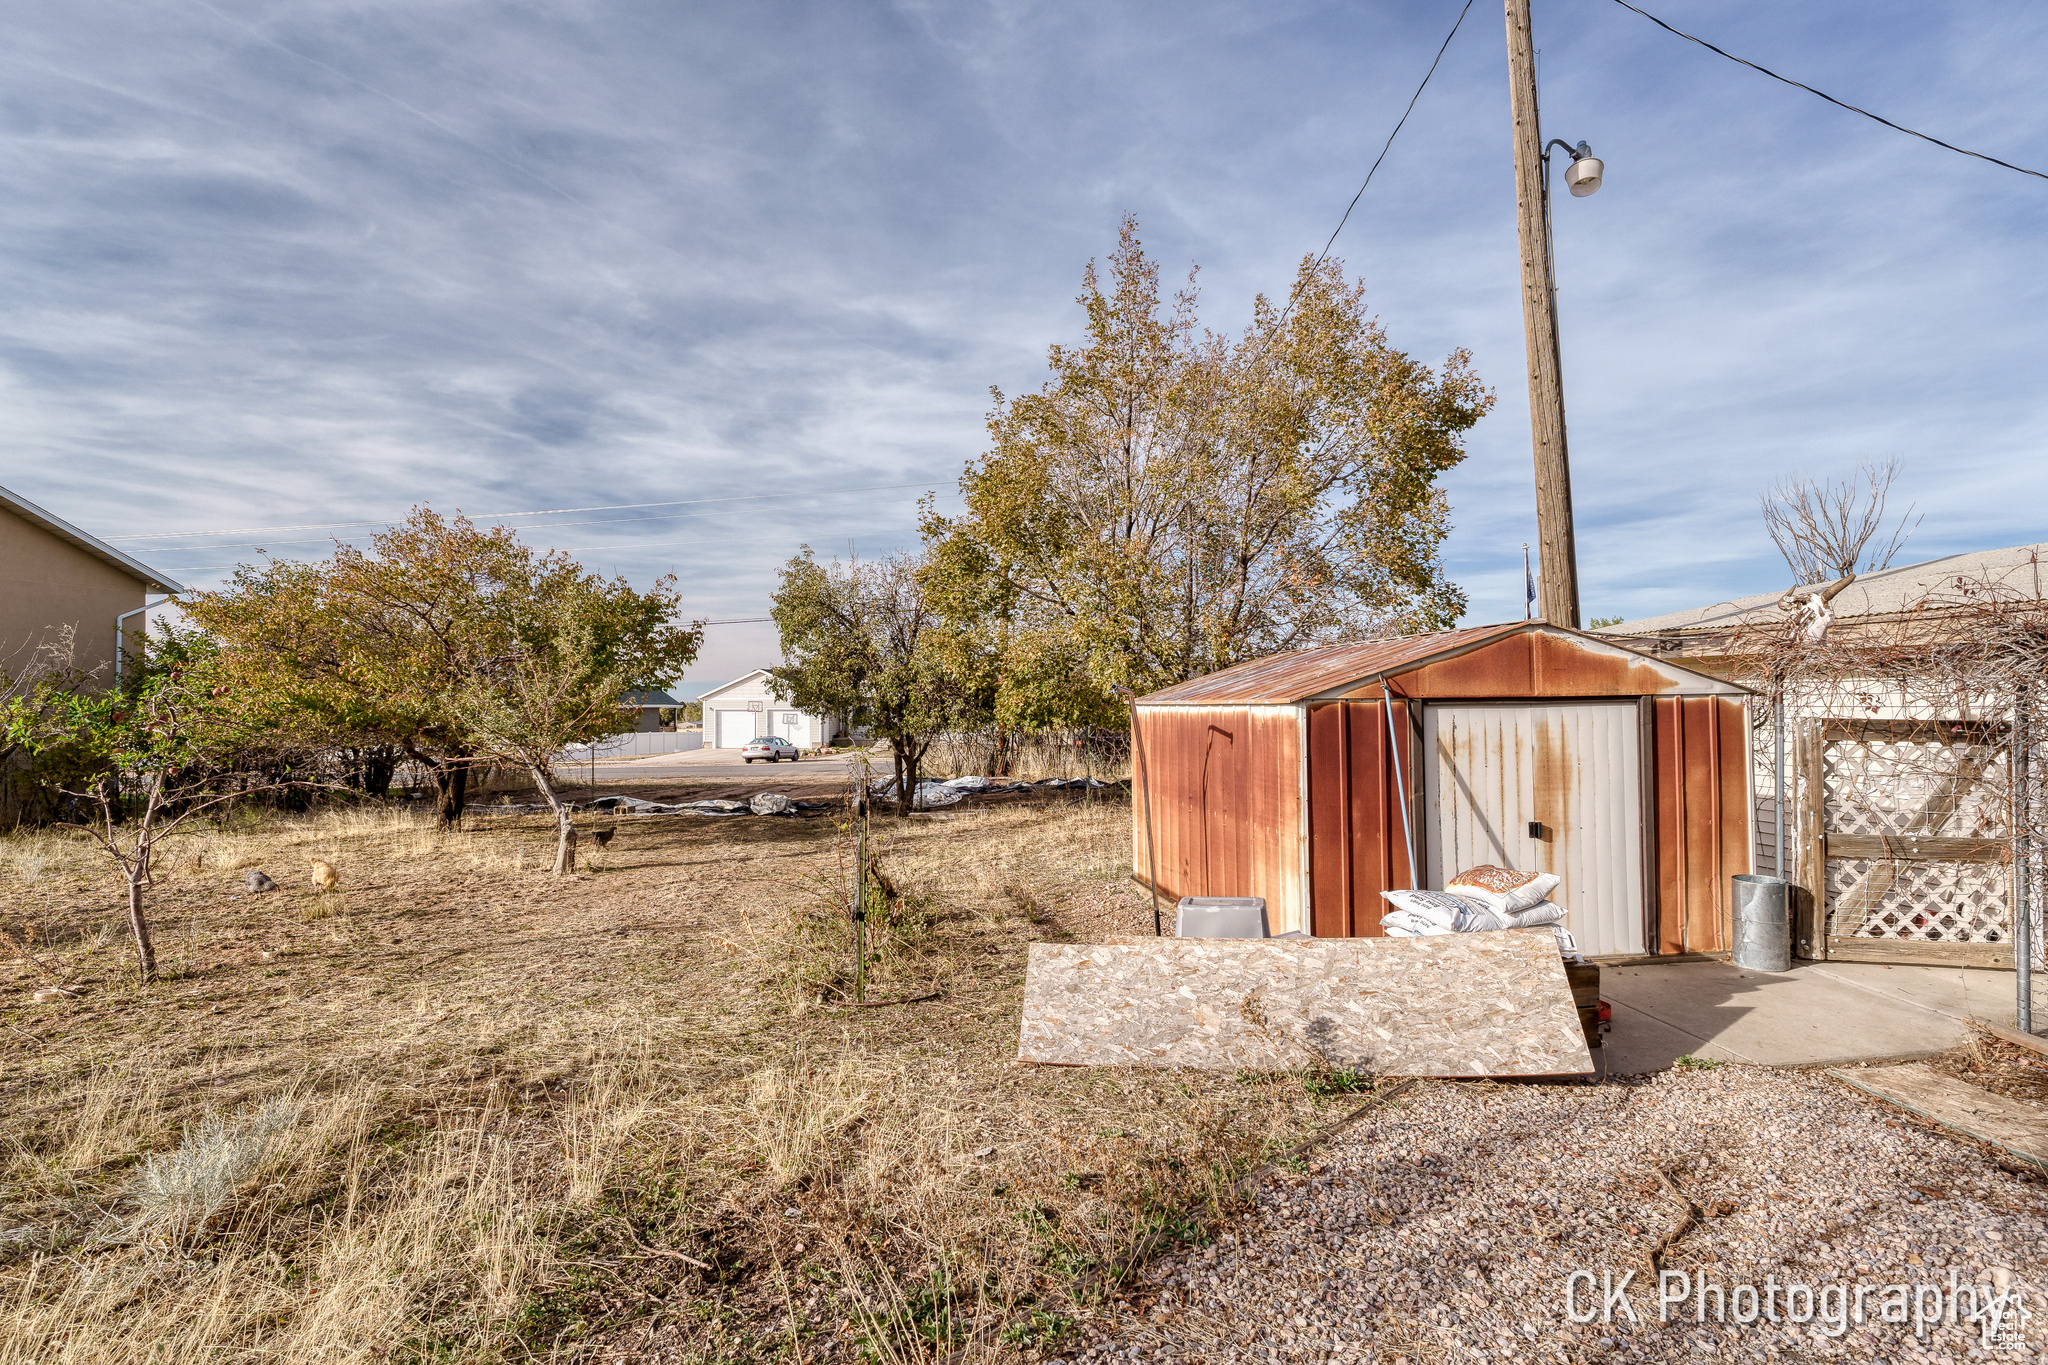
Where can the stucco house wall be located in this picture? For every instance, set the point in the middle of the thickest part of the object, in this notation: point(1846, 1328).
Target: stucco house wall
point(53, 575)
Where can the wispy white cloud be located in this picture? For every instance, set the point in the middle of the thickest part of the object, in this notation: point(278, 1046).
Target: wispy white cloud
point(318, 262)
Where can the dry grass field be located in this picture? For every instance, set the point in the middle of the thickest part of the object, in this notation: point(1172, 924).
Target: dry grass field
point(459, 1109)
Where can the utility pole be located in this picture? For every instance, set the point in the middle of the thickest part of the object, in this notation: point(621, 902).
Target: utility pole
point(1559, 597)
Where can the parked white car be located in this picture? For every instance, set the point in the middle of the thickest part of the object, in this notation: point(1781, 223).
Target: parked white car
point(770, 747)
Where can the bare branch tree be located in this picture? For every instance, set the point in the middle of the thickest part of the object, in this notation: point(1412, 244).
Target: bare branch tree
point(1831, 530)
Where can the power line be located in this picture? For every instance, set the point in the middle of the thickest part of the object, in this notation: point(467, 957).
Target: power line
point(1844, 104)
point(522, 530)
point(495, 516)
point(1295, 293)
point(618, 545)
point(1396, 133)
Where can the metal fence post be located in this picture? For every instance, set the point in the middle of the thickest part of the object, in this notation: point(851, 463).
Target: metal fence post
point(2023, 856)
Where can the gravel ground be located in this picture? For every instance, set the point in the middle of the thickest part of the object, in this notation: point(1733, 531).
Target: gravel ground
point(1444, 1228)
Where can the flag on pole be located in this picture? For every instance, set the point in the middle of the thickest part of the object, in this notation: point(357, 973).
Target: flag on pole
point(1528, 587)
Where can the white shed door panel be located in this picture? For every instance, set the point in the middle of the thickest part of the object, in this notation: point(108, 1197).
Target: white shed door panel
point(1575, 767)
point(735, 728)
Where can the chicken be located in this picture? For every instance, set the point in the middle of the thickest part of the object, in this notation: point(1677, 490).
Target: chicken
point(324, 876)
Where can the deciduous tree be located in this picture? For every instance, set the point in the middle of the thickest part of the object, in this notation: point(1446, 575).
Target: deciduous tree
point(1171, 503)
point(389, 645)
point(579, 643)
point(862, 643)
point(139, 762)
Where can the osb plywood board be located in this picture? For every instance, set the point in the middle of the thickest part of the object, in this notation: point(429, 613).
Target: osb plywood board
point(1997, 1119)
point(1493, 1004)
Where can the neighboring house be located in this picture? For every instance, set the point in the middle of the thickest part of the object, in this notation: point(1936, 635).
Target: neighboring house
point(647, 707)
point(748, 707)
point(1702, 635)
point(53, 575)
point(1894, 834)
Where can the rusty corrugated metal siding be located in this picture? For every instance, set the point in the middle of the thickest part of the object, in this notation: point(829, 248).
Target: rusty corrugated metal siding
point(1356, 845)
point(1542, 663)
point(1226, 804)
point(1297, 802)
point(1703, 815)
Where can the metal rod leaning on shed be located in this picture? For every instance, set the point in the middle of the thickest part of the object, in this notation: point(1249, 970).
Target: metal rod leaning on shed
point(1145, 790)
point(1400, 784)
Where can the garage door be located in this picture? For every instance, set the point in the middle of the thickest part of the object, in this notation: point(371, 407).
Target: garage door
point(735, 728)
point(1543, 789)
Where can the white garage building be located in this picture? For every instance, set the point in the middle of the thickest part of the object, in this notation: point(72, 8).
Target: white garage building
point(746, 708)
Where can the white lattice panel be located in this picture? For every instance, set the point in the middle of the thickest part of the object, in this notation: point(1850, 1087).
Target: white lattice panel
point(1908, 787)
point(1927, 902)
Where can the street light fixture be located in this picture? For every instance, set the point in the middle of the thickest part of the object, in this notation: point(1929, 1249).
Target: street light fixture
point(1582, 177)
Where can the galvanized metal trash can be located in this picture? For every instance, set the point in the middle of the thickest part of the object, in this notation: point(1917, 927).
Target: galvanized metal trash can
point(1221, 917)
point(1763, 923)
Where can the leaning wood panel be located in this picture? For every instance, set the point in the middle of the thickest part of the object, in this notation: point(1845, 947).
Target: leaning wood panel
point(1703, 802)
point(2012, 1124)
point(1849, 948)
point(1494, 1004)
point(1909, 848)
point(1813, 866)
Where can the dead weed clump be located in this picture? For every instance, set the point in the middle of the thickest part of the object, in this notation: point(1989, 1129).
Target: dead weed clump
point(310, 1226)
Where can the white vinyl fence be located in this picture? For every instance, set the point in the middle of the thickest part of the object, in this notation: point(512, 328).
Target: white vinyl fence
point(639, 745)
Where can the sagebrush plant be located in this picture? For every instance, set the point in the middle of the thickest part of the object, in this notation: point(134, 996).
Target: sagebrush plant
point(177, 1193)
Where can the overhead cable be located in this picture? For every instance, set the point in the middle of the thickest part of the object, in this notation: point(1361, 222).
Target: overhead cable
point(494, 516)
point(1324, 255)
point(1441, 49)
point(1844, 104)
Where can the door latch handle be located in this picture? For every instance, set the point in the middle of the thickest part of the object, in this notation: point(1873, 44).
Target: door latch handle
point(1535, 829)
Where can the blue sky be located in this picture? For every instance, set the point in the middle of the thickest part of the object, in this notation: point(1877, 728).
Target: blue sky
point(278, 265)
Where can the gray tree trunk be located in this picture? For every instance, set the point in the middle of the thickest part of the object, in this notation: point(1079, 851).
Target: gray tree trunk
point(565, 825)
point(138, 923)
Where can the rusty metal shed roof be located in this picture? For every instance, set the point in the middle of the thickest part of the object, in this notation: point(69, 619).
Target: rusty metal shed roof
point(1331, 670)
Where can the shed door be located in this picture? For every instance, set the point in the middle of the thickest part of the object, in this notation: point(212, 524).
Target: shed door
point(735, 728)
point(1573, 767)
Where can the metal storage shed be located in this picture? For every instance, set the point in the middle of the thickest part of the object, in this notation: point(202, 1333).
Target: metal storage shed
point(1544, 749)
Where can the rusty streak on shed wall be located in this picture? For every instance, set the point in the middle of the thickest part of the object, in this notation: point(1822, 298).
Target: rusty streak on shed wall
point(1226, 804)
point(1703, 819)
point(1356, 845)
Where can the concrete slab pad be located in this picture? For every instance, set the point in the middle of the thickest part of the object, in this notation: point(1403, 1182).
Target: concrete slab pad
point(1805, 1017)
point(1961, 992)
